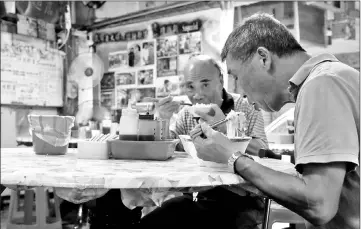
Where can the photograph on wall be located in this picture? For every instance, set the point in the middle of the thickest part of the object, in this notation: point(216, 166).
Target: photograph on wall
point(190, 43)
point(147, 53)
point(168, 86)
point(137, 95)
point(167, 46)
point(145, 77)
point(107, 82)
point(182, 61)
point(167, 67)
point(125, 78)
point(121, 98)
point(107, 99)
point(134, 54)
point(118, 59)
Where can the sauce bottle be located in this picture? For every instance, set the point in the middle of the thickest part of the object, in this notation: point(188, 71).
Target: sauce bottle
point(146, 128)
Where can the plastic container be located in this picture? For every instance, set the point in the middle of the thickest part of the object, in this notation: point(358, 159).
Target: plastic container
point(50, 133)
point(41, 147)
point(146, 128)
point(143, 150)
point(93, 150)
point(128, 125)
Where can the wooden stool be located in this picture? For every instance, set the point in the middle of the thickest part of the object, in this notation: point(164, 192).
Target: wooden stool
point(41, 220)
point(276, 213)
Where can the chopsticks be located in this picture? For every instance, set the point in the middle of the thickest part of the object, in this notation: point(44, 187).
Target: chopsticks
point(103, 137)
point(216, 124)
point(185, 104)
point(156, 100)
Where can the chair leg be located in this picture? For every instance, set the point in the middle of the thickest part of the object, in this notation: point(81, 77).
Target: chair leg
point(267, 209)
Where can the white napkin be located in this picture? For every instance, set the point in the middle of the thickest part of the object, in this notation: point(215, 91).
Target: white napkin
point(190, 148)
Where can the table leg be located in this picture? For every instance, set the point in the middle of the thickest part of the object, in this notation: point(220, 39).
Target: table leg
point(28, 204)
point(2, 188)
point(267, 209)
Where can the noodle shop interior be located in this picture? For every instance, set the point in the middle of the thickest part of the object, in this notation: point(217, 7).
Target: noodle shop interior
point(127, 114)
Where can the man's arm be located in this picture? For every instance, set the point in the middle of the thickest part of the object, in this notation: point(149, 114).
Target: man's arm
point(178, 128)
point(314, 196)
point(256, 129)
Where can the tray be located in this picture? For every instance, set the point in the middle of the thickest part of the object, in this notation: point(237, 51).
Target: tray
point(143, 150)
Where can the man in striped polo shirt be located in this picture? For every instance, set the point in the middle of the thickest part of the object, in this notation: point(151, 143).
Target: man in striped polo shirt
point(203, 83)
point(218, 207)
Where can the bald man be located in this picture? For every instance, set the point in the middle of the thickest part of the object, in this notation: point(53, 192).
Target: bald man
point(218, 207)
point(203, 83)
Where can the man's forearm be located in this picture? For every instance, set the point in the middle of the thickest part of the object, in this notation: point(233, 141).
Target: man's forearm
point(287, 190)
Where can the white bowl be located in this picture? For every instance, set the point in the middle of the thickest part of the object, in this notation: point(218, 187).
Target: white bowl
point(93, 150)
point(238, 144)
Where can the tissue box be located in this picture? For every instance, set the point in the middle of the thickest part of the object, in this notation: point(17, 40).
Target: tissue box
point(93, 150)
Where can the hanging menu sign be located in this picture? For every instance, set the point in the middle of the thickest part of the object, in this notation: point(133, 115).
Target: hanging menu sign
point(31, 72)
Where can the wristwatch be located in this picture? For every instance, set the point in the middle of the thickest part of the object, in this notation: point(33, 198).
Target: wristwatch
point(232, 160)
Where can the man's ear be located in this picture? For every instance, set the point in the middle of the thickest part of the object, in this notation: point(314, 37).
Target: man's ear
point(264, 58)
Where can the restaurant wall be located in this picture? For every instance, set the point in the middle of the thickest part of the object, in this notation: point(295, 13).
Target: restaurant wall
point(210, 40)
point(210, 33)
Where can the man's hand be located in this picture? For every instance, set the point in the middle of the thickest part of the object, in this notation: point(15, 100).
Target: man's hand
point(212, 117)
point(216, 147)
point(165, 107)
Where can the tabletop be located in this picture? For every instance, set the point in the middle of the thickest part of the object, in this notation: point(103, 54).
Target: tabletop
point(22, 167)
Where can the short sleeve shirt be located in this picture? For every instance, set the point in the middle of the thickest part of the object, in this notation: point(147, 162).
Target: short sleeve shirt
point(327, 127)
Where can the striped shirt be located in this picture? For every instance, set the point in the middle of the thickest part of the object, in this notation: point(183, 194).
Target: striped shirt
point(254, 124)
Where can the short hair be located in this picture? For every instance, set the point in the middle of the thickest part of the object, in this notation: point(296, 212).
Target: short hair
point(213, 61)
point(258, 30)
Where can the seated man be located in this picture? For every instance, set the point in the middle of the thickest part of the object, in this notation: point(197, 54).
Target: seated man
point(274, 70)
point(218, 207)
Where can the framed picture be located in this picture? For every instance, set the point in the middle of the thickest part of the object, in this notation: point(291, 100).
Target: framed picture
point(167, 66)
point(182, 61)
point(168, 86)
point(145, 77)
point(137, 95)
point(190, 43)
point(125, 78)
point(167, 46)
point(107, 82)
point(134, 54)
point(107, 99)
point(118, 60)
point(121, 98)
point(148, 53)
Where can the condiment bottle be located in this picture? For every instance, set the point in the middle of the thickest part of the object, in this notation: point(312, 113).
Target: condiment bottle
point(128, 124)
point(146, 128)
